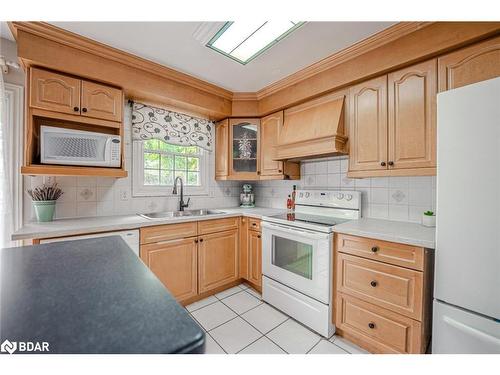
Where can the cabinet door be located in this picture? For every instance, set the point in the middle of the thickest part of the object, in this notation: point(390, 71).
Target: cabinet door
point(54, 92)
point(175, 264)
point(244, 135)
point(368, 125)
point(100, 101)
point(255, 257)
point(217, 259)
point(222, 150)
point(269, 128)
point(243, 249)
point(476, 63)
point(412, 116)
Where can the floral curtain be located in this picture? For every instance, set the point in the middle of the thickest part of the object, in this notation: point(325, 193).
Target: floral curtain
point(150, 122)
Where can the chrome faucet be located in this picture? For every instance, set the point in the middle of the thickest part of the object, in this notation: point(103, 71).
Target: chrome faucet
point(181, 202)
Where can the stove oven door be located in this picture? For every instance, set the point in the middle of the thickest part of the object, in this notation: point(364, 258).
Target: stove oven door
point(298, 258)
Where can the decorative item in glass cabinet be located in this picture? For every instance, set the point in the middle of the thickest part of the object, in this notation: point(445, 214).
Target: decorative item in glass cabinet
point(245, 147)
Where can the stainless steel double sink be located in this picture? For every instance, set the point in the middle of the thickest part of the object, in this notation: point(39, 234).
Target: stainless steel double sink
point(175, 214)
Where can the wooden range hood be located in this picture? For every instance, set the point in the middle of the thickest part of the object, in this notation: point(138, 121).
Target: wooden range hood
point(313, 129)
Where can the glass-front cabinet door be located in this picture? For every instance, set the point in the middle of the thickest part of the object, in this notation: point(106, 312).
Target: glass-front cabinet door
point(244, 135)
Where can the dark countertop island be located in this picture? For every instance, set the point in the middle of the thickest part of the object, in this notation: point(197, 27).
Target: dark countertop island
point(90, 296)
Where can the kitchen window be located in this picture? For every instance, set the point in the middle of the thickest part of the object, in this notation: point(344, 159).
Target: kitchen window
point(158, 163)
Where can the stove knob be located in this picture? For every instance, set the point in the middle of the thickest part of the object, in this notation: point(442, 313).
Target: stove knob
point(348, 197)
point(307, 195)
point(340, 196)
point(301, 195)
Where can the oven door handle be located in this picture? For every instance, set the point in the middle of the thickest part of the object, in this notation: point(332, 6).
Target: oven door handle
point(296, 231)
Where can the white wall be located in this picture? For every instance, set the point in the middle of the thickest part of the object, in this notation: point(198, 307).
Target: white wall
point(102, 196)
point(8, 49)
point(393, 198)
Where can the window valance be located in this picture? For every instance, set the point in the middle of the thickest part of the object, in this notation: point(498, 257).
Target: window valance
point(150, 122)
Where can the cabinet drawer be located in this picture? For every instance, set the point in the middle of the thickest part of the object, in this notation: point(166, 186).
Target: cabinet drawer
point(383, 251)
point(254, 224)
point(378, 330)
point(167, 232)
point(218, 225)
point(394, 288)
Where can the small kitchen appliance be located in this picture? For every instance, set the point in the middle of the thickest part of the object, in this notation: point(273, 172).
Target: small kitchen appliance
point(78, 147)
point(297, 255)
point(247, 198)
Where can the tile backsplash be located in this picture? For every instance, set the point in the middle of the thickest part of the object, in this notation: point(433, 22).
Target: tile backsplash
point(393, 198)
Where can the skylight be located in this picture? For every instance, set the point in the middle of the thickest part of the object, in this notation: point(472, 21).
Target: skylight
point(244, 41)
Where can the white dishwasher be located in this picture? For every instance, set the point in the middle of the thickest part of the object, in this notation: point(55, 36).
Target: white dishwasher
point(131, 237)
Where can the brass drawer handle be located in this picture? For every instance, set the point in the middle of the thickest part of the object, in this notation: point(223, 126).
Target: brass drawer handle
point(373, 283)
point(371, 325)
point(374, 249)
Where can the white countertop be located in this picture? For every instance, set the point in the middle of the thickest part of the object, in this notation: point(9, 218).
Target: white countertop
point(394, 231)
point(70, 227)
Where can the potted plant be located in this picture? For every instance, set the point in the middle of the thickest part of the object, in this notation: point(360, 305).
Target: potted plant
point(44, 201)
point(429, 219)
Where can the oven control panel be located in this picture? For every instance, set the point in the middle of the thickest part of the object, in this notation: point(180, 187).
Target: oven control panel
point(329, 198)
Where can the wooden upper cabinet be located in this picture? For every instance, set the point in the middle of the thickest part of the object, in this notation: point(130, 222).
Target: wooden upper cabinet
point(476, 63)
point(255, 257)
point(244, 149)
point(217, 259)
point(412, 116)
point(222, 150)
point(268, 138)
point(368, 125)
point(175, 264)
point(100, 101)
point(54, 92)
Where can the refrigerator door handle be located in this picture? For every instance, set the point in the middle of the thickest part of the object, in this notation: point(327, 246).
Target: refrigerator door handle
point(471, 331)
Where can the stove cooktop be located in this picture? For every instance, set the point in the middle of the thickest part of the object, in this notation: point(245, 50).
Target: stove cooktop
point(306, 221)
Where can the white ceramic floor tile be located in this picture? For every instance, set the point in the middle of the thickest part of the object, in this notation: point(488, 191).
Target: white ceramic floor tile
point(347, 345)
point(244, 286)
point(263, 346)
point(293, 337)
point(241, 302)
point(211, 347)
point(202, 303)
point(264, 317)
point(235, 335)
point(326, 347)
point(213, 315)
point(254, 293)
point(228, 292)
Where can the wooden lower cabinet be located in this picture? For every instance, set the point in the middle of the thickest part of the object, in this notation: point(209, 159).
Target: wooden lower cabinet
point(376, 329)
point(383, 294)
point(217, 259)
point(175, 263)
point(255, 258)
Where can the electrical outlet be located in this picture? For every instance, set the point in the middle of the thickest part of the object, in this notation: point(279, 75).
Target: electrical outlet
point(123, 195)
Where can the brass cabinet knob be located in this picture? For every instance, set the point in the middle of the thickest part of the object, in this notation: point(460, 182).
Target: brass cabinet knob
point(371, 325)
point(382, 163)
point(374, 249)
point(373, 283)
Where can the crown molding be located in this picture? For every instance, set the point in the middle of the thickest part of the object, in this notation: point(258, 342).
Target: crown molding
point(374, 41)
point(81, 43)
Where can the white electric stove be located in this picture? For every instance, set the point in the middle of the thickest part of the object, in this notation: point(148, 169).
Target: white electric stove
point(297, 255)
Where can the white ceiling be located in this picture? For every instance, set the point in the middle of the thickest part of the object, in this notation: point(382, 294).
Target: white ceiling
point(181, 46)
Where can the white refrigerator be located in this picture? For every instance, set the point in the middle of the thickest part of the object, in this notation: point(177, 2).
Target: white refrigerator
point(466, 317)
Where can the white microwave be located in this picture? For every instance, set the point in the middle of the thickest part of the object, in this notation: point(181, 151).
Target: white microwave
point(78, 147)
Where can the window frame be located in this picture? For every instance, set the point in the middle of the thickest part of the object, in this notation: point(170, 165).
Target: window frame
point(141, 190)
